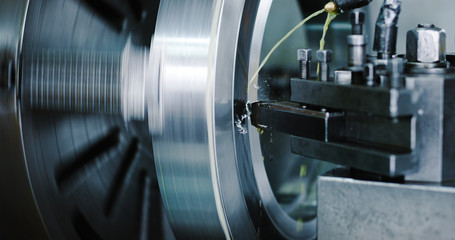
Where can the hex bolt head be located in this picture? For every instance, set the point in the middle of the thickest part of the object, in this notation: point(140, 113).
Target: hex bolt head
point(304, 55)
point(426, 44)
point(324, 56)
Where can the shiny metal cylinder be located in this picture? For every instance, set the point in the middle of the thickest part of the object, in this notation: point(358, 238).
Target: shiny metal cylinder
point(305, 69)
point(357, 50)
point(211, 176)
point(21, 218)
point(324, 72)
point(87, 81)
point(369, 73)
point(385, 38)
point(357, 18)
point(395, 69)
point(72, 81)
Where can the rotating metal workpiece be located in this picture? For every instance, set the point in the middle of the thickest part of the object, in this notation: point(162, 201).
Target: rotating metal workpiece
point(71, 175)
point(91, 175)
point(129, 116)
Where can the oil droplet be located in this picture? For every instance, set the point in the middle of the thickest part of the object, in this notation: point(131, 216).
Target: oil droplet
point(330, 17)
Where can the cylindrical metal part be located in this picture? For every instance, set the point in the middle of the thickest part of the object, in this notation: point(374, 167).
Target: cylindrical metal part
point(357, 50)
point(357, 43)
point(87, 81)
point(134, 73)
point(357, 18)
point(324, 72)
point(305, 69)
point(72, 81)
point(385, 39)
point(369, 74)
point(304, 57)
point(395, 70)
point(324, 58)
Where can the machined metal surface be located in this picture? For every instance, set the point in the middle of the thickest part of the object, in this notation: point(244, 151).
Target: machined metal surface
point(371, 160)
point(100, 176)
point(211, 174)
point(357, 50)
point(426, 44)
point(343, 77)
point(17, 205)
point(357, 42)
point(357, 18)
point(434, 127)
point(293, 119)
point(381, 101)
point(212, 178)
point(324, 58)
point(304, 56)
point(386, 31)
point(362, 209)
point(87, 81)
point(71, 176)
point(395, 70)
point(375, 144)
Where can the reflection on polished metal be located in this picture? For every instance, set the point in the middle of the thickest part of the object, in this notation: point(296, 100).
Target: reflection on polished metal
point(87, 81)
point(68, 176)
point(324, 58)
point(385, 37)
point(426, 44)
point(304, 57)
point(357, 41)
point(185, 48)
point(393, 102)
point(17, 194)
point(212, 177)
point(395, 73)
point(186, 89)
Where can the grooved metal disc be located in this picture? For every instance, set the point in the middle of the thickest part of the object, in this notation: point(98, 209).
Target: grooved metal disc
point(92, 176)
point(208, 158)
